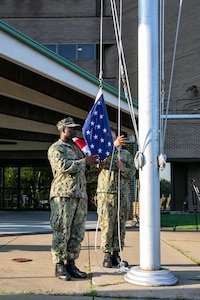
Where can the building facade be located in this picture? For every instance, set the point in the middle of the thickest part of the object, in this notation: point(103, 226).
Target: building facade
point(71, 29)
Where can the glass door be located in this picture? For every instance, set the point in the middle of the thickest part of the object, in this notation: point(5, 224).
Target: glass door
point(34, 187)
point(27, 188)
point(11, 191)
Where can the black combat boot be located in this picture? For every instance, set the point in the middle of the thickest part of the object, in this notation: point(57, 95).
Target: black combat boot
point(61, 272)
point(116, 260)
point(73, 270)
point(107, 262)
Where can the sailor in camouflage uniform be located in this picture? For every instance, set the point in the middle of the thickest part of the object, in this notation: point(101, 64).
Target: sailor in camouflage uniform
point(107, 200)
point(68, 199)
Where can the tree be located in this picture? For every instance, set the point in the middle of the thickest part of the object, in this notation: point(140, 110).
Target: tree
point(165, 187)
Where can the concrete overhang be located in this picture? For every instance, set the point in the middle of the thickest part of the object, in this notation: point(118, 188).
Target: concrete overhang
point(38, 87)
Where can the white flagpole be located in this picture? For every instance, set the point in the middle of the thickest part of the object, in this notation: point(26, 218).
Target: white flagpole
point(149, 272)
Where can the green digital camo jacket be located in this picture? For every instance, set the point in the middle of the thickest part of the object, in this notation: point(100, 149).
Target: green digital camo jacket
point(69, 170)
point(109, 184)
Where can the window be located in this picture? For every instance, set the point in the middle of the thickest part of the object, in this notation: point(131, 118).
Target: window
point(10, 191)
point(165, 188)
point(67, 51)
point(51, 47)
point(25, 187)
point(74, 51)
point(85, 51)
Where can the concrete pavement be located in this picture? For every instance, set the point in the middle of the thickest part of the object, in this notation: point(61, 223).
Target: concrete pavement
point(27, 235)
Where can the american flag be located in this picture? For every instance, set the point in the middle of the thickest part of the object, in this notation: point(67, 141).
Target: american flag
point(96, 129)
point(81, 143)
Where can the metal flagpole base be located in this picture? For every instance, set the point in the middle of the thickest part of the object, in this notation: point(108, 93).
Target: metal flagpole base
point(160, 277)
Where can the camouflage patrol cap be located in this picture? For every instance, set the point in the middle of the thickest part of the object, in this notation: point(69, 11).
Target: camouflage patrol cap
point(67, 122)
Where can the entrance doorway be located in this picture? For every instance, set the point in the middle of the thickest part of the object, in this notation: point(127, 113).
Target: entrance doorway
point(25, 187)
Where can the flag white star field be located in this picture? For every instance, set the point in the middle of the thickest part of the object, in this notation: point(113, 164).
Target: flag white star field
point(96, 129)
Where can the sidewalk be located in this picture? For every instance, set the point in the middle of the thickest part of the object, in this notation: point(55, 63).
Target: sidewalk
point(28, 235)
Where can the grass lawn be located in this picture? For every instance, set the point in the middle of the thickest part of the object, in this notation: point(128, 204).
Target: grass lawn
point(182, 220)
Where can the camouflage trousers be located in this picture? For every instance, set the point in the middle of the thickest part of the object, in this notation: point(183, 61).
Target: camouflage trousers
point(108, 218)
point(67, 219)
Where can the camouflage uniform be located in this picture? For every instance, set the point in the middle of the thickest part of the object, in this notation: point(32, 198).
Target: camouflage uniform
point(68, 200)
point(107, 200)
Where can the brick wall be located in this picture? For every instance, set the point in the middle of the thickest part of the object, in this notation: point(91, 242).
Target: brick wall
point(183, 139)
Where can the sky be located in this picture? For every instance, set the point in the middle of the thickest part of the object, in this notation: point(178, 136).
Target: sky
point(165, 174)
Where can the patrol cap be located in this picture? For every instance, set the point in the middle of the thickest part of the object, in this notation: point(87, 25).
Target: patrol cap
point(67, 122)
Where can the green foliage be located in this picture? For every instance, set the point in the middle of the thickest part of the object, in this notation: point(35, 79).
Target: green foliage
point(25, 186)
point(185, 220)
point(11, 177)
point(165, 187)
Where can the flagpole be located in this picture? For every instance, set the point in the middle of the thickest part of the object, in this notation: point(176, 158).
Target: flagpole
point(149, 272)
